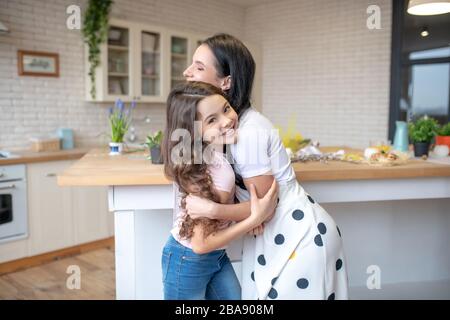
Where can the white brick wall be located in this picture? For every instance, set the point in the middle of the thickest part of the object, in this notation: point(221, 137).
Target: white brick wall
point(322, 66)
point(38, 105)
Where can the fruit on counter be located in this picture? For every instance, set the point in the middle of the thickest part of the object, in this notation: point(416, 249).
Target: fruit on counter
point(352, 157)
point(368, 152)
point(384, 148)
point(388, 158)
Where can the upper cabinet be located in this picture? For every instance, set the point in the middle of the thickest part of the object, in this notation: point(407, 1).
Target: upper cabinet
point(141, 62)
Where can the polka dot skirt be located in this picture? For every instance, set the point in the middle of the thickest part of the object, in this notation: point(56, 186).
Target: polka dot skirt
point(300, 254)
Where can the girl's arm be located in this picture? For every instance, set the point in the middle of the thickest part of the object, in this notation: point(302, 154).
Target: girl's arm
point(199, 207)
point(221, 238)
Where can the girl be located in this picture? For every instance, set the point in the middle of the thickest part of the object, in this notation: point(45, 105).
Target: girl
point(300, 254)
point(194, 261)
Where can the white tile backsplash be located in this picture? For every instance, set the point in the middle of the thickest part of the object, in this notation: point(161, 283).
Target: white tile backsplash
point(38, 105)
point(323, 67)
point(320, 64)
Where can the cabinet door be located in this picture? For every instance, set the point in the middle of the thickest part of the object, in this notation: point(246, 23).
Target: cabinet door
point(150, 50)
point(13, 250)
point(91, 218)
point(118, 55)
point(179, 58)
point(49, 208)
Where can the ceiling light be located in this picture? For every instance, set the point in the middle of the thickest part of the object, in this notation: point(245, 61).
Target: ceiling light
point(424, 32)
point(428, 7)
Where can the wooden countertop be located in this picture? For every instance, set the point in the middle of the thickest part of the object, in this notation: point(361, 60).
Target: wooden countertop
point(97, 168)
point(26, 156)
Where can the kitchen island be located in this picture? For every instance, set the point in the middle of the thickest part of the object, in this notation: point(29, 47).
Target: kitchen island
point(394, 221)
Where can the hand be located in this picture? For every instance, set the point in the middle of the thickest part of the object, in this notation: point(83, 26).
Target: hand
point(263, 209)
point(257, 231)
point(198, 207)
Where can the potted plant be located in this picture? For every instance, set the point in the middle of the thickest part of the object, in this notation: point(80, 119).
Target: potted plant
point(119, 120)
point(154, 145)
point(443, 136)
point(95, 29)
point(421, 132)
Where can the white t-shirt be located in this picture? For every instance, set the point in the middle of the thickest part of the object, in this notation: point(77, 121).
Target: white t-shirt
point(222, 176)
point(259, 151)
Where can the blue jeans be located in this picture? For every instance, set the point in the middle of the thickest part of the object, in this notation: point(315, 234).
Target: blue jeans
point(190, 276)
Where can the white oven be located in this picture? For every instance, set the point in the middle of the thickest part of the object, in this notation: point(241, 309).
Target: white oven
point(13, 203)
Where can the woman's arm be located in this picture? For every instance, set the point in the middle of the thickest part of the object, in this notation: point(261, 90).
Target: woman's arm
point(199, 207)
point(220, 238)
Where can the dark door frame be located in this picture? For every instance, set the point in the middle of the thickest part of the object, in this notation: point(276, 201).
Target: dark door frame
point(398, 9)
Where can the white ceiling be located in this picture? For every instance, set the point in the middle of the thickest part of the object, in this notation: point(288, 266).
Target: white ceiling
point(250, 3)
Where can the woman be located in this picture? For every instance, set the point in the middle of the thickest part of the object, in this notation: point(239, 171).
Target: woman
point(194, 262)
point(300, 254)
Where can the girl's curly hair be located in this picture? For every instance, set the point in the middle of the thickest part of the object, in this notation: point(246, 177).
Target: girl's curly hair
point(190, 174)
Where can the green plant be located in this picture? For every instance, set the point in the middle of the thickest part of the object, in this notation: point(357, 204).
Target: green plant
point(444, 130)
point(119, 120)
point(95, 29)
point(423, 130)
point(154, 140)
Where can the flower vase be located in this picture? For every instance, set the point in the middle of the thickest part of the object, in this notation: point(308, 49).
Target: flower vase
point(115, 148)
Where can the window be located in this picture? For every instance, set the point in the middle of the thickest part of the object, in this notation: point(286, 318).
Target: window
point(420, 68)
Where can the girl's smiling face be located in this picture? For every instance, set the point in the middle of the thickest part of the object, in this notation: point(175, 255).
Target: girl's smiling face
point(203, 68)
point(219, 120)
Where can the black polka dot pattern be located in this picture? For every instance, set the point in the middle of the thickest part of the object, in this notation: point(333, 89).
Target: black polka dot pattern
point(273, 294)
point(298, 214)
point(311, 199)
point(274, 280)
point(331, 296)
point(252, 275)
point(318, 240)
point(279, 239)
point(262, 260)
point(338, 264)
point(322, 228)
point(339, 231)
point(302, 283)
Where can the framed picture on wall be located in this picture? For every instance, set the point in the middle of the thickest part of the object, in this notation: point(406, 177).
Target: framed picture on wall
point(42, 64)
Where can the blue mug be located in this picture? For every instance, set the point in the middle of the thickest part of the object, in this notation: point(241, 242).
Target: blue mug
point(66, 136)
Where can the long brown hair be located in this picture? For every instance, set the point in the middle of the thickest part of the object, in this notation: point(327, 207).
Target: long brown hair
point(191, 175)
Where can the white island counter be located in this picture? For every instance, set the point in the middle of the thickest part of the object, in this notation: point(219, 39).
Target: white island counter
point(394, 220)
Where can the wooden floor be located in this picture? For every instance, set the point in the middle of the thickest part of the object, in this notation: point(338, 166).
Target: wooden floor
point(48, 281)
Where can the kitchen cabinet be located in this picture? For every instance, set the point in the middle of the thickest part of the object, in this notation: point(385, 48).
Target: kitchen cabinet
point(182, 48)
point(91, 219)
point(140, 62)
point(59, 217)
point(49, 208)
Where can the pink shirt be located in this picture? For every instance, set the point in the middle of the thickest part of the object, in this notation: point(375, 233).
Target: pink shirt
point(222, 175)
